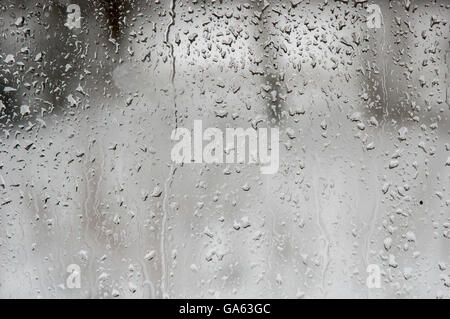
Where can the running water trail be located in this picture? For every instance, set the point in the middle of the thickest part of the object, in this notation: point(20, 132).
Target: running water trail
point(325, 236)
point(383, 80)
point(169, 180)
point(172, 57)
point(374, 215)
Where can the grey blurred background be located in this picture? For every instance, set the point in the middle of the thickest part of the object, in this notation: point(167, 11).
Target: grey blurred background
point(86, 177)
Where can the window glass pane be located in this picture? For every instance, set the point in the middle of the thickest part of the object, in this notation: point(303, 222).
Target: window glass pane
point(120, 176)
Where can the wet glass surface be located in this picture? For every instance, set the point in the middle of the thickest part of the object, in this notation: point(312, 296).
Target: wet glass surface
point(93, 206)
